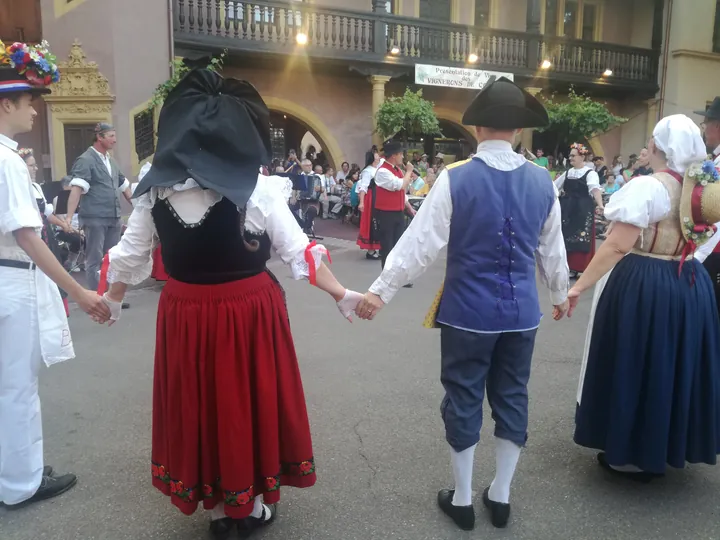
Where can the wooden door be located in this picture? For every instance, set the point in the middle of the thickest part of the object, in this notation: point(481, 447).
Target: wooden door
point(20, 21)
point(78, 137)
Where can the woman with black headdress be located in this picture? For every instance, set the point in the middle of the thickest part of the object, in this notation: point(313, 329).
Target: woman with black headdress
point(230, 424)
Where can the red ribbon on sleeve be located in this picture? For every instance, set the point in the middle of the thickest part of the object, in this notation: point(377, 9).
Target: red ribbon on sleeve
point(103, 284)
point(310, 260)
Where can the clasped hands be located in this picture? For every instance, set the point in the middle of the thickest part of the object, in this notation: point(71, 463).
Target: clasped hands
point(364, 306)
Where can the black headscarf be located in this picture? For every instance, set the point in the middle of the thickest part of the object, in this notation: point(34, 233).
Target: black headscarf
point(215, 131)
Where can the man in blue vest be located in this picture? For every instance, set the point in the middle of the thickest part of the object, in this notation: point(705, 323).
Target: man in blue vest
point(498, 214)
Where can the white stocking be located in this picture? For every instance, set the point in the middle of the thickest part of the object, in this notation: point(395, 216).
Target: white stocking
point(462, 464)
point(507, 455)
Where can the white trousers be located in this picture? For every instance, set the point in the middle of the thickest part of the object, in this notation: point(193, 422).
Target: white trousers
point(327, 200)
point(21, 441)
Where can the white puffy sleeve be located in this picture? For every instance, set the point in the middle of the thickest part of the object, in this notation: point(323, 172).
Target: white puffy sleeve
point(593, 182)
point(642, 202)
point(560, 181)
point(269, 203)
point(18, 208)
point(131, 259)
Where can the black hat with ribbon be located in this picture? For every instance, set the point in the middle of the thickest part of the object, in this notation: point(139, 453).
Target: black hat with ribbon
point(391, 148)
point(215, 131)
point(504, 106)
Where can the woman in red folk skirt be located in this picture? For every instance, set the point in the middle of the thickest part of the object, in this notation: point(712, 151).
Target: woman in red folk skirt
point(367, 237)
point(580, 194)
point(230, 425)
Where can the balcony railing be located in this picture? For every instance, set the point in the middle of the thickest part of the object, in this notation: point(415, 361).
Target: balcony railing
point(274, 26)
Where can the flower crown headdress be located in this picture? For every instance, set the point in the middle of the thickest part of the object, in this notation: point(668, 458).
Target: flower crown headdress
point(35, 62)
point(582, 150)
point(25, 152)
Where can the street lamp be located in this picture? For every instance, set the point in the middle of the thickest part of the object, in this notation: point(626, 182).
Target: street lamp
point(547, 64)
point(301, 38)
point(395, 50)
point(472, 58)
point(608, 72)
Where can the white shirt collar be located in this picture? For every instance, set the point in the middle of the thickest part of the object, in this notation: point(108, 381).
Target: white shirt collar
point(499, 155)
point(7, 141)
point(494, 147)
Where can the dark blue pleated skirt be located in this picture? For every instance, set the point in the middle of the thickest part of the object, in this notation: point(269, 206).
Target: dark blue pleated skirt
point(652, 387)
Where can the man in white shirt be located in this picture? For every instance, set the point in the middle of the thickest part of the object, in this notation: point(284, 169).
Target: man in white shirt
point(33, 324)
point(96, 178)
point(329, 195)
point(343, 172)
point(498, 214)
point(391, 185)
point(709, 253)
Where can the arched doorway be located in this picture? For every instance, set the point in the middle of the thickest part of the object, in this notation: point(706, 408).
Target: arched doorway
point(283, 111)
point(288, 133)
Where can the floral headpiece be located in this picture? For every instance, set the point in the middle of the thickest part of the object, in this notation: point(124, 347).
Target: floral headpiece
point(581, 149)
point(34, 62)
point(25, 152)
point(699, 206)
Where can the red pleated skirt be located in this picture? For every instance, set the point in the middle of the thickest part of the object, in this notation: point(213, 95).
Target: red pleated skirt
point(366, 237)
point(158, 271)
point(578, 261)
point(229, 414)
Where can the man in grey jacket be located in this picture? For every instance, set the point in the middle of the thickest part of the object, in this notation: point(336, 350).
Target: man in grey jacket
point(96, 178)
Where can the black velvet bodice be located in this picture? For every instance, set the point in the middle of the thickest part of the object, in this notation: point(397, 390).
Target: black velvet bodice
point(211, 251)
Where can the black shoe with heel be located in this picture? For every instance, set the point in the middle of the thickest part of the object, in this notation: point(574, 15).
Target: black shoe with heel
point(221, 529)
point(248, 525)
point(463, 516)
point(499, 512)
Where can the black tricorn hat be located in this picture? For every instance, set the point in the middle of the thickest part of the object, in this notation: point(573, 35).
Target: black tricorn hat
point(215, 131)
point(712, 112)
point(503, 105)
point(391, 148)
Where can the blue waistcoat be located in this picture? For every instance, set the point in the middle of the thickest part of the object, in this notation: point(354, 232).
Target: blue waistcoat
point(497, 219)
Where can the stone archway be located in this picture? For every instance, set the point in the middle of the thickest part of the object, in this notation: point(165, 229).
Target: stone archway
point(455, 118)
point(314, 124)
point(81, 97)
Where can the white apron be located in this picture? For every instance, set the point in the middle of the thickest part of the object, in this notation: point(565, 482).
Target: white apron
point(599, 287)
point(55, 340)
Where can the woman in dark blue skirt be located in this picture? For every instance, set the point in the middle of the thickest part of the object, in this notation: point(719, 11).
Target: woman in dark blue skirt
point(649, 393)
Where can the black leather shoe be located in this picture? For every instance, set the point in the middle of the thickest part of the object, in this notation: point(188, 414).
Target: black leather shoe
point(463, 516)
point(47, 470)
point(499, 512)
point(221, 529)
point(250, 524)
point(641, 476)
point(125, 305)
point(408, 286)
point(50, 486)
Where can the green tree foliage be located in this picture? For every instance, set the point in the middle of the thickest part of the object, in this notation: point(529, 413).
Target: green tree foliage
point(578, 118)
point(179, 70)
point(410, 114)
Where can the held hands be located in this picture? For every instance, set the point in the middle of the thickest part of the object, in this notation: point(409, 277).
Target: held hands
point(560, 310)
point(369, 306)
point(114, 307)
point(349, 303)
point(92, 304)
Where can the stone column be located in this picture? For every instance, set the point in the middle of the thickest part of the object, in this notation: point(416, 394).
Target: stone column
point(527, 134)
point(653, 110)
point(533, 19)
point(378, 98)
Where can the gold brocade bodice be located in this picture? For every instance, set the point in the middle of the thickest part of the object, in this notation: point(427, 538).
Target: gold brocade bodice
point(665, 237)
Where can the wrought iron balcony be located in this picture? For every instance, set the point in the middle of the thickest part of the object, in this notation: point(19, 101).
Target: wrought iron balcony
point(273, 26)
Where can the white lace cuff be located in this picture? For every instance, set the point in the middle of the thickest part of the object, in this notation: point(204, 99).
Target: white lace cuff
point(300, 265)
point(134, 276)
